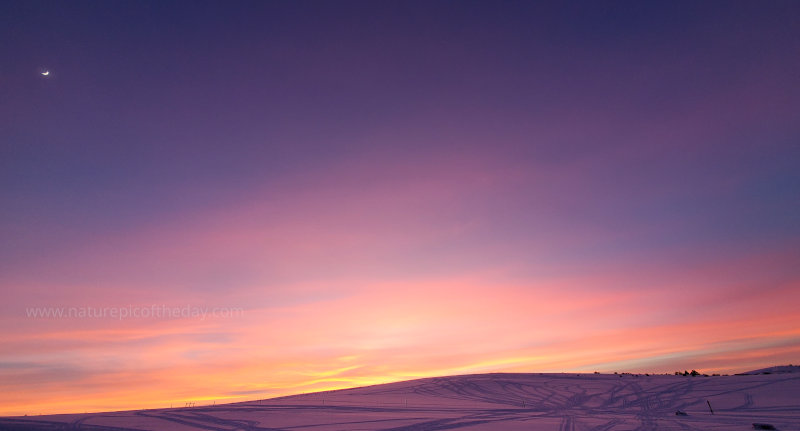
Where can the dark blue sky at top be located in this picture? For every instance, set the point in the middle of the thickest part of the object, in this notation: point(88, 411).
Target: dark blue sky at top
point(157, 108)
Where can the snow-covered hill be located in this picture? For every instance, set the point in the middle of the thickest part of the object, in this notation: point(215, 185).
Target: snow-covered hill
point(777, 370)
point(557, 402)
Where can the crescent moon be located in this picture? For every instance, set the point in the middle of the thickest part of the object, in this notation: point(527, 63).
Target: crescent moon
point(45, 73)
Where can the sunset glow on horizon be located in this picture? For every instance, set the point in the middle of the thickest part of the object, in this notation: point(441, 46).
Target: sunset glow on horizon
point(342, 194)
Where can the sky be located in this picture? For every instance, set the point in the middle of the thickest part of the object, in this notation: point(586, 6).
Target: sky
point(238, 200)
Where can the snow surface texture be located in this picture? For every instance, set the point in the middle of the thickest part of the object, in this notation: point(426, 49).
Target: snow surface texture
point(558, 402)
